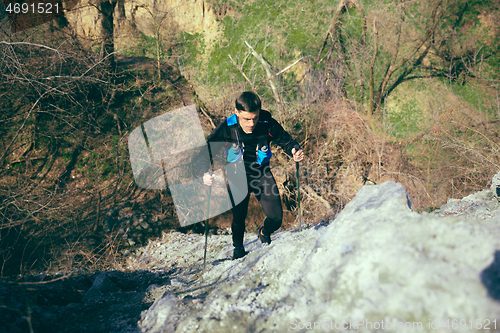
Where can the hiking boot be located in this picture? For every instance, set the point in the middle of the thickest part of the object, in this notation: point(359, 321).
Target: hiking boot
point(263, 238)
point(239, 252)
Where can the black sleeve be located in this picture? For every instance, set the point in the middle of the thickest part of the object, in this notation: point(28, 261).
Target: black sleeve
point(282, 137)
point(219, 134)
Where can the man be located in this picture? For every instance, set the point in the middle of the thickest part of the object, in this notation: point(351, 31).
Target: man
point(249, 133)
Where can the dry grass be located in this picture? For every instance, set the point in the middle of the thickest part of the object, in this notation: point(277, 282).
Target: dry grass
point(457, 155)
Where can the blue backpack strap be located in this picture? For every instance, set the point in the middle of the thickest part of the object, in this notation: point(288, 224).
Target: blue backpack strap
point(264, 144)
point(234, 154)
point(232, 124)
point(232, 120)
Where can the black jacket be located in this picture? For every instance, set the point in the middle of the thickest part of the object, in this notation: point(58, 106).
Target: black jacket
point(266, 126)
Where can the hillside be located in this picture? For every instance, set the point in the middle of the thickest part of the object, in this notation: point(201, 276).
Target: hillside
point(377, 265)
point(374, 91)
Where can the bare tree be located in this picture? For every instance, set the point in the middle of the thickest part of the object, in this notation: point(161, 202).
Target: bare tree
point(53, 102)
point(162, 27)
point(404, 35)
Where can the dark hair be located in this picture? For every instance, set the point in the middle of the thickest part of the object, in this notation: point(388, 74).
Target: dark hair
point(248, 101)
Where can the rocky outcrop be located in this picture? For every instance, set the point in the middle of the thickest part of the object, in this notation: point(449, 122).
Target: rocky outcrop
point(135, 17)
point(479, 205)
point(378, 266)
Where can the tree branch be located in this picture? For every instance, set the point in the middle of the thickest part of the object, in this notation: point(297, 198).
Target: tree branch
point(279, 73)
point(19, 130)
point(332, 29)
point(268, 73)
point(393, 67)
point(241, 71)
point(32, 44)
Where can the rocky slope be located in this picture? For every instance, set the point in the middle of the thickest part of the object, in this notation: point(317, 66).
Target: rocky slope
point(378, 266)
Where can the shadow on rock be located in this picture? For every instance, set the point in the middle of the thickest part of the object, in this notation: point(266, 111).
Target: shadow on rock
point(491, 277)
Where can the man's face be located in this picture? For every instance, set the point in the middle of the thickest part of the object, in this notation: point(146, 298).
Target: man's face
point(248, 120)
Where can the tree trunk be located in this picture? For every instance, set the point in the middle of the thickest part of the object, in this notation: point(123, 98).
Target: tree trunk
point(121, 9)
point(371, 84)
point(333, 29)
point(392, 67)
point(106, 10)
point(158, 52)
point(413, 58)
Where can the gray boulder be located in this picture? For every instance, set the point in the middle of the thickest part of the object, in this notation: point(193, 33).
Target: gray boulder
point(102, 284)
point(378, 266)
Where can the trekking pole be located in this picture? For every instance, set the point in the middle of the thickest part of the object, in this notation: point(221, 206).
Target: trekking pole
point(206, 227)
point(297, 167)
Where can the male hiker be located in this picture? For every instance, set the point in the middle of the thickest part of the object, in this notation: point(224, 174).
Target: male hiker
point(248, 134)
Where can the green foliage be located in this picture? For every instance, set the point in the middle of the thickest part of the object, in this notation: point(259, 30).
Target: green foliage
point(352, 27)
point(282, 32)
point(145, 46)
point(472, 94)
point(192, 47)
point(66, 155)
point(279, 32)
point(97, 166)
point(475, 95)
point(406, 120)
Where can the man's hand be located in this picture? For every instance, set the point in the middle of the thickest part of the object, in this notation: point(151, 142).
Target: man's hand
point(207, 179)
point(297, 155)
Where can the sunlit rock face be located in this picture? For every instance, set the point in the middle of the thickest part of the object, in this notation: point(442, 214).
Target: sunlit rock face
point(149, 17)
point(378, 266)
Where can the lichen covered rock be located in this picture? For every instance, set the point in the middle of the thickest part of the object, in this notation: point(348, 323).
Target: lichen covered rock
point(376, 262)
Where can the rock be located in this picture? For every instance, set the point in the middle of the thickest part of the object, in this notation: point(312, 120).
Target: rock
point(162, 316)
point(345, 249)
point(176, 283)
point(480, 205)
point(133, 18)
point(483, 204)
point(495, 185)
point(155, 292)
point(376, 261)
point(102, 284)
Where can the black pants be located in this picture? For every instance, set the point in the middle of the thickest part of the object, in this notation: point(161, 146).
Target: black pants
point(266, 191)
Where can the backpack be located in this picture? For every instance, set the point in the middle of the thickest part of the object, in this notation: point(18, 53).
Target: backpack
point(235, 152)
